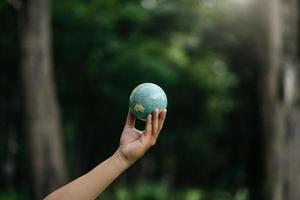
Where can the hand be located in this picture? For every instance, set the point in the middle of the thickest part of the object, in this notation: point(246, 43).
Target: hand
point(134, 143)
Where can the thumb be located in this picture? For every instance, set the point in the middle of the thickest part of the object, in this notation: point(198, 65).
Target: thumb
point(130, 122)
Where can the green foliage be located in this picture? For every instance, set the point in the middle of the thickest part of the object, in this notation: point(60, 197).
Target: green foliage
point(8, 196)
point(150, 191)
point(12, 195)
point(102, 50)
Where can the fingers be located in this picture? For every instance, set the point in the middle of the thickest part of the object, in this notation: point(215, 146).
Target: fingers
point(130, 122)
point(155, 122)
point(148, 129)
point(162, 117)
point(160, 121)
point(154, 125)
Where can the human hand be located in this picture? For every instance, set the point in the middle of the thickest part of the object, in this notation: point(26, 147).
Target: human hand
point(134, 143)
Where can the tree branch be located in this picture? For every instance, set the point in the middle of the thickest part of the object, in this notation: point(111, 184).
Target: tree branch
point(16, 4)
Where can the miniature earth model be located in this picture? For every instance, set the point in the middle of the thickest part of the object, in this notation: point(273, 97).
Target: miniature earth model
point(145, 98)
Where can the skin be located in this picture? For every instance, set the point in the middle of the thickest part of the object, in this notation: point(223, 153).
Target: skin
point(133, 145)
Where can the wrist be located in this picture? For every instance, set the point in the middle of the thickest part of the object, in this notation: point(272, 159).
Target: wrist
point(120, 160)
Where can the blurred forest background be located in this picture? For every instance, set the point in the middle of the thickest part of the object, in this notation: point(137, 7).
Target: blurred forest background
point(230, 70)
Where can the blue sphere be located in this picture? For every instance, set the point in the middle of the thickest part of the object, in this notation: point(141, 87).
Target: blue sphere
point(145, 98)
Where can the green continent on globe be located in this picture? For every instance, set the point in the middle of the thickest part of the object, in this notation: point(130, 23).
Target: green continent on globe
point(145, 98)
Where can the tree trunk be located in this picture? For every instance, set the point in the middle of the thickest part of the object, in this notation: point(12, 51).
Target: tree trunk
point(41, 110)
point(280, 87)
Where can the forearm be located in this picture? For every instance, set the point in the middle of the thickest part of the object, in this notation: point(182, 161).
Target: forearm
point(90, 185)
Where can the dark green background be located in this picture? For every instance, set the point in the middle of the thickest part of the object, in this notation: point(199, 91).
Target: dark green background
point(207, 64)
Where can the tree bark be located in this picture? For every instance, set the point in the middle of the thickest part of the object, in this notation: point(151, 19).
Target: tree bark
point(280, 88)
point(42, 120)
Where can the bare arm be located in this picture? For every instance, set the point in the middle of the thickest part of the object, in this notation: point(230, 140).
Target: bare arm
point(133, 145)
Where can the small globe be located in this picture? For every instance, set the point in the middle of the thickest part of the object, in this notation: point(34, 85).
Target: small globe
point(145, 98)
